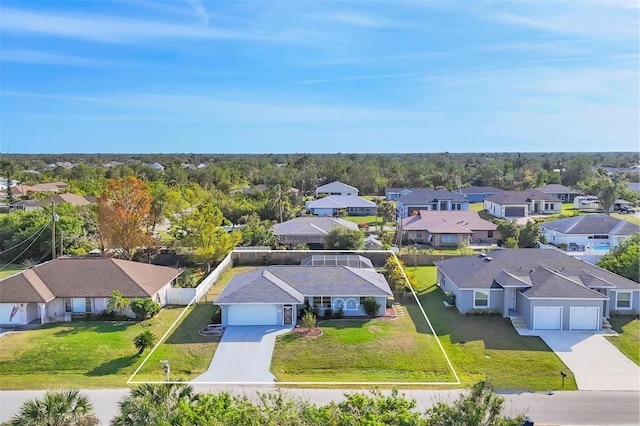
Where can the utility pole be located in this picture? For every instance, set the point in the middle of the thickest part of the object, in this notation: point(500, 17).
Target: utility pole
point(54, 219)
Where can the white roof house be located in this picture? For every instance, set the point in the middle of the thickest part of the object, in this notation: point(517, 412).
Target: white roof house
point(333, 204)
point(336, 188)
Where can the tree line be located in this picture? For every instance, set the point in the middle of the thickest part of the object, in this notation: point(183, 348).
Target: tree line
point(371, 173)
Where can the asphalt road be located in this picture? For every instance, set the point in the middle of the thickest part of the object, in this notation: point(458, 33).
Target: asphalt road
point(560, 408)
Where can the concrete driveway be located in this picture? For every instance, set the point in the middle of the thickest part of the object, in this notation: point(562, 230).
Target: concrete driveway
point(243, 355)
point(595, 363)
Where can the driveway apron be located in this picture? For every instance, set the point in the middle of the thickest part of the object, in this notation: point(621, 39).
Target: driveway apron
point(596, 364)
point(243, 355)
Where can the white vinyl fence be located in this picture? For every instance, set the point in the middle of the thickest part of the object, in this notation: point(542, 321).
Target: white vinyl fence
point(184, 296)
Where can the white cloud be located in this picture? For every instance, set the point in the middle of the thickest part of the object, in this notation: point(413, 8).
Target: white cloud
point(40, 57)
point(105, 28)
point(200, 10)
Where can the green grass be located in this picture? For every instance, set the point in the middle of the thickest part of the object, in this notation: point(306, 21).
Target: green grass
point(633, 218)
point(189, 354)
point(487, 346)
point(362, 351)
point(8, 270)
point(628, 338)
point(476, 207)
point(96, 354)
point(369, 220)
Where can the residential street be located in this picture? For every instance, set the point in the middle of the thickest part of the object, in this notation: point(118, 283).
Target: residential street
point(560, 408)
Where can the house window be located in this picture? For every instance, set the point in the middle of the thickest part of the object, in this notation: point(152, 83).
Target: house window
point(87, 305)
point(443, 205)
point(338, 304)
point(546, 206)
point(419, 235)
point(598, 237)
point(322, 302)
point(68, 307)
point(623, 300)
point(489, 234)
point(449, 239)
point(480, 299)
point(552, 206)
point(352, 304)
point(456, 206)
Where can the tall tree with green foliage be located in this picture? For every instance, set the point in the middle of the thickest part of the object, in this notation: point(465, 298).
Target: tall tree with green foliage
point(344, 239)
point(530, 235)
point(388, 211)
point(56, 408)
point(607, 189)
point(624, 259)
point(508, 229)
point(200, 233)
point(8, 170)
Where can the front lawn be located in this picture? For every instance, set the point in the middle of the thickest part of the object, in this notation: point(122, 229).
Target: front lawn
point(628, 338)
point(97, 354)
point(487, 346)
point(369, 220)
point(362, 351)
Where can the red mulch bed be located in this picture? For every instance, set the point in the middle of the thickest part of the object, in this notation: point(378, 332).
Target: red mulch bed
point(306, 332)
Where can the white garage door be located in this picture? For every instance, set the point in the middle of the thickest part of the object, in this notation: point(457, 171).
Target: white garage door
point(253, 315)
point(584, 318)
point(547, 317)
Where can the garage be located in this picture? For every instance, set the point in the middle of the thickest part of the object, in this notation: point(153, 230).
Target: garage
point(514, 211)
point(547, 318)
point(258, 314)
point(584, 318)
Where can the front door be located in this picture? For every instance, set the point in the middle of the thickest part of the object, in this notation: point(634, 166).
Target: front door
point(287, 313)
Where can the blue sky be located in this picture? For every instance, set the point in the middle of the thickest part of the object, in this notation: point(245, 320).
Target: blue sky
point(138, 76)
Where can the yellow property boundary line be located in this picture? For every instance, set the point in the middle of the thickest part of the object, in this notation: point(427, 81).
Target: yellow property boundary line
point(130, 381)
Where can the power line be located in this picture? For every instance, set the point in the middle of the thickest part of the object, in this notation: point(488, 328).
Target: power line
point(19, 244)
point(24, 251)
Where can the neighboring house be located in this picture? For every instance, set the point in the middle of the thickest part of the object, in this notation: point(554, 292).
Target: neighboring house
point(274, 295)
point(588, 231)
point(73, 199)
point(333, 205)
point(261, 187)
point(66, 286)
point(477, 194)
point(449, 228)
point(590, 203)
point(549, 290)
point(392, 194)
point(336, 188)
point(429, 199)
point(21, 190)
point(372, 243)
point(310, 230)
point(525, 203)
point(561, 192)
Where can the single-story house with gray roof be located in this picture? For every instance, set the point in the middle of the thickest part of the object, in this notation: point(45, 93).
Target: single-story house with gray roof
point(334, 204)
point(588, 231)
point(274, 295)
point(477, 194)
point(547, 289)
point(563, 193)
point(74, 286)
point(310, 230)
point(512, 204)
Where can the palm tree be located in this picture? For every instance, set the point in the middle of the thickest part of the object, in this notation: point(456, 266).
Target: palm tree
point(117, 302)
point(378, 201)
point(144, 340)
point(152, 404)
point(56, 408)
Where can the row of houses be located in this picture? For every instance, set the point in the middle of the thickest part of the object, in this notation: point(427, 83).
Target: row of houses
point(543, 289)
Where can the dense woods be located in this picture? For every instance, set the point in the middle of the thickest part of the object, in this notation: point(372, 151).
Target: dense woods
point(371, 173)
